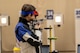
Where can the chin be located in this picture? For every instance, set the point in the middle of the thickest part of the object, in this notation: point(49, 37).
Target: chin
point(31, 20)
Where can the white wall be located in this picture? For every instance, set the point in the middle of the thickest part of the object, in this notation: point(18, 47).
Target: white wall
point(77, 32)
point(0, 38)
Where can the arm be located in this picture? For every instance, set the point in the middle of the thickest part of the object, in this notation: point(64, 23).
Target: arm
point(27, 36)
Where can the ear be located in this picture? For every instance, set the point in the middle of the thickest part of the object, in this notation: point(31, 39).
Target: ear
point(29, 15)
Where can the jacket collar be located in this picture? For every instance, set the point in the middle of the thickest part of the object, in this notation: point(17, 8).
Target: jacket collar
point(24, 21)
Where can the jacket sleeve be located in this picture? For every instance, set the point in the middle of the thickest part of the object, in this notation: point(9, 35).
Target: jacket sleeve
point(26, 35)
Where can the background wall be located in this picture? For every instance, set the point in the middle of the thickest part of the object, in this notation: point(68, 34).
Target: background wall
point(65, 33)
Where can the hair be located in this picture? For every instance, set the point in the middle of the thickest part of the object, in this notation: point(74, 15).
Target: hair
point(27, 8)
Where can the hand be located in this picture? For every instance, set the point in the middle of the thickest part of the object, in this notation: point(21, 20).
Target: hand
point(37, 26)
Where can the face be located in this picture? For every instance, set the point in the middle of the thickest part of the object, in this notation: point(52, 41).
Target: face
point(30, 18)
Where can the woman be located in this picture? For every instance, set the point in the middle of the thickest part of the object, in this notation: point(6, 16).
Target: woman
point(28, 41)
